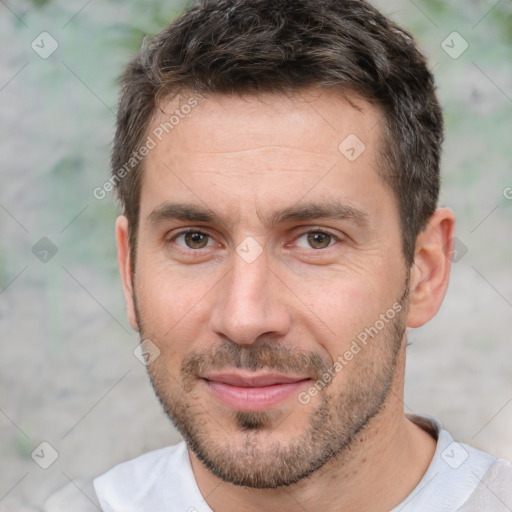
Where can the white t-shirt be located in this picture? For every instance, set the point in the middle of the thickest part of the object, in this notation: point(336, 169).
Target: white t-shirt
point(460, 478)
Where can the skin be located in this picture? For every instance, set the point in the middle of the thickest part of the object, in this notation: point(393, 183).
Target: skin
point(244, 158)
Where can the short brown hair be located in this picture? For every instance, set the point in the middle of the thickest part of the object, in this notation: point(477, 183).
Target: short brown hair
point(250, 46)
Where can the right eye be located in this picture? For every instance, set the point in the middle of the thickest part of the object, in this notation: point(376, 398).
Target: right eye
point(193, 239)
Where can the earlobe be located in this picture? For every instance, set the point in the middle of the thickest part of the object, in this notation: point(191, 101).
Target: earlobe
point(124, 264)
point(430, 272)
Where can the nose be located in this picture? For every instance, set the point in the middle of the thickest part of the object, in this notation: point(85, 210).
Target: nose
point(250, 303)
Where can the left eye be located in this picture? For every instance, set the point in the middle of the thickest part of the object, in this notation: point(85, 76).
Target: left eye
point(317, 240)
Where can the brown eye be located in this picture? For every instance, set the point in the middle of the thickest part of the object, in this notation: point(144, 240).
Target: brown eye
point(319, 240)
point(196, 239)
point(192, 239)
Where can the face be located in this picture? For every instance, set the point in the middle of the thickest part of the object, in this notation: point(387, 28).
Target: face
point(269, 274)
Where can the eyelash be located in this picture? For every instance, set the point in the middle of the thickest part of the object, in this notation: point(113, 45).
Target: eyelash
point(205, 232)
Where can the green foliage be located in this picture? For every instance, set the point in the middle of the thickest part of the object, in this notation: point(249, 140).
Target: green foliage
point(39, 3)
point(24, 446)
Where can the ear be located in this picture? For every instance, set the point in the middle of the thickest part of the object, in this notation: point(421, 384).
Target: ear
point(124, 263)
point(430, 271)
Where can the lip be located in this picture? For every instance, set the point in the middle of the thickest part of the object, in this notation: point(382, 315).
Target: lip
point(246, 392)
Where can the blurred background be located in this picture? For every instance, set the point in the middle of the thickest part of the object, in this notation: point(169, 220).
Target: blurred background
point(68, 373)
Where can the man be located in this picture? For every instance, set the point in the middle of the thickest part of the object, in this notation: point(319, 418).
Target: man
point(278, 169)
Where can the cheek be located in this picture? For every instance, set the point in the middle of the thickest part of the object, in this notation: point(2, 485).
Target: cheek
point(170, 310)
point(338, 298)
point(338, 310)
point(166, 291)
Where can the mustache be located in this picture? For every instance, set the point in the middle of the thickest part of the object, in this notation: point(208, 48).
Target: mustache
point(268, 355)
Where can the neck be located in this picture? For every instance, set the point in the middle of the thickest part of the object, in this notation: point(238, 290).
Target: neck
point(379, 469)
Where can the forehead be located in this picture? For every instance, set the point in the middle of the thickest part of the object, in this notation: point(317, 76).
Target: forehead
point(261, 149)
point(223, 123)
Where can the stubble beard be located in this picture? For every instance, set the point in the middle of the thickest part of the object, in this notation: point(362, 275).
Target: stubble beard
point(254, 457)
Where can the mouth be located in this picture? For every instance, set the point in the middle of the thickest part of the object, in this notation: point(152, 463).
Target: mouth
point(249, 392)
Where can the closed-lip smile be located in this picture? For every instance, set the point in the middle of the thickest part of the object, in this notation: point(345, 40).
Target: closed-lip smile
point(252, 392)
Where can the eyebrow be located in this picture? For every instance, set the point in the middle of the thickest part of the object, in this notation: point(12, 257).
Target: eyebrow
point(168, 211)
